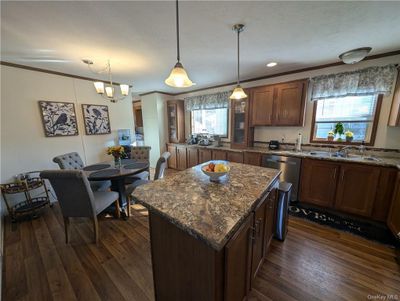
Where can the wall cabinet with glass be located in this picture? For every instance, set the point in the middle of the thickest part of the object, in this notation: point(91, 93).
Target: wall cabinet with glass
point(176, 121)
point(242, 134)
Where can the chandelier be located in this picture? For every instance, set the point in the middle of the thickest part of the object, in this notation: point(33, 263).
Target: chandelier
point(107, 89)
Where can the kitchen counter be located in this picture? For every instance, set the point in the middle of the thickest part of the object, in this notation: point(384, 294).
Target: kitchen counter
point(209, 211)
point(381, 160)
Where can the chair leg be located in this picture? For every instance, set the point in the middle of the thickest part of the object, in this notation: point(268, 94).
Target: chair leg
point(95, 229)
point(117, 211)
point(66, 228)
point(128, 205)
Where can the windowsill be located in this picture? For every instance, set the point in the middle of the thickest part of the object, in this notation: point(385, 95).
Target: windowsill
point(325, 141)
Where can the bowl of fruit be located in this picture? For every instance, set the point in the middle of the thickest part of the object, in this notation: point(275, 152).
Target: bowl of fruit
point(215, 170)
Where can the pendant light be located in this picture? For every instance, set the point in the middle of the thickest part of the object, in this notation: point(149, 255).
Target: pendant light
point(238, 92)
point(178, 77)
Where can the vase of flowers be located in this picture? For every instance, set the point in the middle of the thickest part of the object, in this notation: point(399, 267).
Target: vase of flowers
point(339, 130)
point(117, 152)
point(331, 136)
point(349, 136)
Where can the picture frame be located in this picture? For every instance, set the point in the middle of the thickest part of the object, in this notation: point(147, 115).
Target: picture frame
point(96, 119)
point(58, 118)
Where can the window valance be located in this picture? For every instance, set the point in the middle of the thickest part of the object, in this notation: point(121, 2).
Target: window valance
point(372, 80)
point(209, 101)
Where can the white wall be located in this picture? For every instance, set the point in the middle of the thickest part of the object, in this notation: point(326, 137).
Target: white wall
point(24, 146)
point(387, 137)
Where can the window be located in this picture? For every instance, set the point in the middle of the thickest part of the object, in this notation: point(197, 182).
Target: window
point(213, 121)
point(358, 114)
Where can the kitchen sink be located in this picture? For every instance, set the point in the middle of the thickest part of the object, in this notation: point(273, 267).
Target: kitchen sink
point(339, 155)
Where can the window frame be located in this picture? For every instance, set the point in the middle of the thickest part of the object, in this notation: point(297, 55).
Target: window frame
point(227, 122)
point(373, 131)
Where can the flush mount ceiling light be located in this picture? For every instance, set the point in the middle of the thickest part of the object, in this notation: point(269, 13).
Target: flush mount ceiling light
point(107, 90)
point(178, 77)
point(272, 64)
point(238, 92)
point(355, 55)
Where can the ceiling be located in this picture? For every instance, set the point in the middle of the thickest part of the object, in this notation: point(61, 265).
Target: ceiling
point(139, 37)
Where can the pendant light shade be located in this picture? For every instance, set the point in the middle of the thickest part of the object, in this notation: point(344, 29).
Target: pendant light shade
point(238, 92)
point(178, 77)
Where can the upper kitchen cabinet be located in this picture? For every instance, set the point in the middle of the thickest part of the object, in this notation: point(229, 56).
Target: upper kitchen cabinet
point(394, 117)
point(279, 105)
point(176, 121)
point(242, 134)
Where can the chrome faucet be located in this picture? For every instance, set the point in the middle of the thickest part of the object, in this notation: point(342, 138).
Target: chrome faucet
point(343, 152)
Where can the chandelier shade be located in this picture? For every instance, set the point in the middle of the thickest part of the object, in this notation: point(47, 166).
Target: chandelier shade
point(238, 93)
point(99, 86)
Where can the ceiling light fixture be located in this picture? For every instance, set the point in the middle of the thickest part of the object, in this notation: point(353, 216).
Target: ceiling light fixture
point(355, 55)
point(238, 92)
point(272, 64)
point(178, 77)
point(107, 91)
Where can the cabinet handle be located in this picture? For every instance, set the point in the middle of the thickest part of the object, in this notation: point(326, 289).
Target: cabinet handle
point(258, 222)
point(342, 178)
point(252, 235)
point(334, 174)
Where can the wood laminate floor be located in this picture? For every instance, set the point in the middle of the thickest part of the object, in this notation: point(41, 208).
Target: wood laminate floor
point(314, 263)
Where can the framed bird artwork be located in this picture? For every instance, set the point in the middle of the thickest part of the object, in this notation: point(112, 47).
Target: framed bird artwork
point(59, 118)
point(96, 119)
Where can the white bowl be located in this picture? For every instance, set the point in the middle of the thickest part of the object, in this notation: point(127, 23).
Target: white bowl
point(214, 176)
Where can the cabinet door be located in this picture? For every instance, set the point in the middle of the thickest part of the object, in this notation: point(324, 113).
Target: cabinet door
point(258, 242)
point(357, 189)
point(238, 262)
point(192, 157)
point(218, 155)
point(181, 157)
point(204, 155)
point(235, 157)
point(262, 100)
point(393, 220)
point(270, 223)
point(289, 104)
point(318, 182)
point(252, 158)
point(384, 193)
point(172, 158)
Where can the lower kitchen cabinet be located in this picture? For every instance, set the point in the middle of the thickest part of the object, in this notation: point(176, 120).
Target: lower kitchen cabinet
point(181, 160)
point(393, 220)
point(192, 156)
point(204, 155)
point(252, 158)
point(318, 182)
point(234, 157)
point(270, 220)
point(218, 154)
point(172, 159)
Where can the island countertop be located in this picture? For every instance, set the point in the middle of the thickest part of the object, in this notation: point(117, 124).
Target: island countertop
point(208, 211)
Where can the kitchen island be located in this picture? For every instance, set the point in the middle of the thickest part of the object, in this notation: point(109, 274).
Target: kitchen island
point(209, 239)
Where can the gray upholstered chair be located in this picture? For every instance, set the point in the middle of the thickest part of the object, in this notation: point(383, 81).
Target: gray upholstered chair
point(159, 173)
point(77, 199)
point(74, 161)
point(140, 153)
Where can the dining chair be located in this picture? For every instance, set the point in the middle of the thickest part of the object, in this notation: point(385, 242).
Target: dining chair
point(159, 173)
point(140, 153)
point(74, 161)
point(77, 199)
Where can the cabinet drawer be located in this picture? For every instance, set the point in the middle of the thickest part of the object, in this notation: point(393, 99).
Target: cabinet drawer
point(235, 157)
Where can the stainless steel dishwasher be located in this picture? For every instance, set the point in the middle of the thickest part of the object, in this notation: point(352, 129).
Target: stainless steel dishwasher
point(290, 167)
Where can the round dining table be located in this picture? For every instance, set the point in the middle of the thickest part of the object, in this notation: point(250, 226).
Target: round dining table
point(107, 171)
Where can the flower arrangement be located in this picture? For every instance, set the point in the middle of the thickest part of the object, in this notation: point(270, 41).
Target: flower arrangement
point(349, 136)
point(331, 135)
point(116, 151)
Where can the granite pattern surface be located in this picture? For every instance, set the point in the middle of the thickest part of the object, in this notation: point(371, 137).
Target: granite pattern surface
point(208, 211)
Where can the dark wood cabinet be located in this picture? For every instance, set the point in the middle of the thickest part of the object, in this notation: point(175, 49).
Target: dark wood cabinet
point(357, 189)
point(252, 158)
point(384, 194)
point(278, 105)
point(234, 157)
point(394, 116)
point(262, 105)
point(289, 104)
point(176, 121)
point(270, 219)
point(204, 155)
point(241, 134)
point(238, 262)
point(172, 158)
point(192, 157)
point(218, 154)
point(258, 237)
point(393, 220)
point(318, 182)
point(181, 158)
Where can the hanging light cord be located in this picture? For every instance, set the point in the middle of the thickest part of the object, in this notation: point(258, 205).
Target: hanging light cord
point(178, 56)
point(238, 52)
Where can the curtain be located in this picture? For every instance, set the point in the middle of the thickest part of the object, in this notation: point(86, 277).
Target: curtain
point(372, 80)
point(209, 101)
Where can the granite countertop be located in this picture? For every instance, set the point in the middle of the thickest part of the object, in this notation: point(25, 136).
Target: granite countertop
point(353, 158)
point(208, 211)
